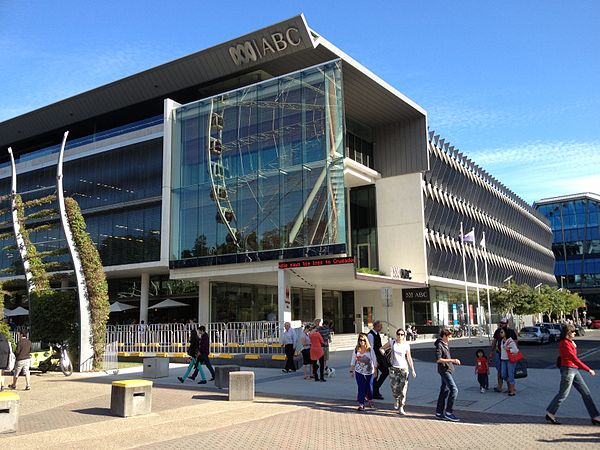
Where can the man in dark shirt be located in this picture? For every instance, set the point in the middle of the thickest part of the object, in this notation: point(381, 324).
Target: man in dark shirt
point(325, 333)
point(495, 351)
point(445, 366)
point(23, 361)
point(382, 366)
point(203, 354)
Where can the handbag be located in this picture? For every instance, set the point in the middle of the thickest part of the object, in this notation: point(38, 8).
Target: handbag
point(388, 357)
point(514, 357)
point(521, 369)
point(12, 359)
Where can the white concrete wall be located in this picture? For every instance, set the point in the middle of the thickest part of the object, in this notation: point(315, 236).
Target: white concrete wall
point(400, 225)
point(373, 298)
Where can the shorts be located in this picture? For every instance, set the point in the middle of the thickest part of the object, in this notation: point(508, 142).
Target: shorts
point(326, 352)
point(22, 365)
point(306, 357)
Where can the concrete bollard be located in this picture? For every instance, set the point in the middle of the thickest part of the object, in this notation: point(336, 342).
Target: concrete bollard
point(156, 367)
point(222, 375)
point(131, 398)
point(241, 386)
point(9, 412)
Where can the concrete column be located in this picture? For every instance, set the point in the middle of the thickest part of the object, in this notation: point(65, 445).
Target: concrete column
point(318, 302)
point(64, 283)
point(203, 301)
point(284, 296)
point(145, 288)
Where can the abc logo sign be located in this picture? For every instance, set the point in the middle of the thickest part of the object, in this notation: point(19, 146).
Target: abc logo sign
point(255, 49)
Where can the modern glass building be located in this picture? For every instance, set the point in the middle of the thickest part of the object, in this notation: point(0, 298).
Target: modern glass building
point(272, 177)
point(575, 222)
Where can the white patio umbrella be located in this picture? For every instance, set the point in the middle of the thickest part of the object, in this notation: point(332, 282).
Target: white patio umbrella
point(20, 311)
point(168, 303)
point(118, 307)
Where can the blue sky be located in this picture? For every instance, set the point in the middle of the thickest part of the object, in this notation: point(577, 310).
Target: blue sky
point(514, 84)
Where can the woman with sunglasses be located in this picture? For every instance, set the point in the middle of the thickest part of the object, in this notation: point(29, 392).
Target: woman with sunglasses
point(401, 361)
point(364, 366)
point(508, 368)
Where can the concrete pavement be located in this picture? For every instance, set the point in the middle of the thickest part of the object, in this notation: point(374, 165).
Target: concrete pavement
point(290, 412)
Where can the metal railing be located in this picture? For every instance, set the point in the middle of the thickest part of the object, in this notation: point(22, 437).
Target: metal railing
point(234, 337)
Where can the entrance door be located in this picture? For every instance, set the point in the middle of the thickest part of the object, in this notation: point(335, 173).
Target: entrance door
point(367, 316)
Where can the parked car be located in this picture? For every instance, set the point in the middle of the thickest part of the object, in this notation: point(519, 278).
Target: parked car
point(595, 324)
point(553, 328)
point(537, 334)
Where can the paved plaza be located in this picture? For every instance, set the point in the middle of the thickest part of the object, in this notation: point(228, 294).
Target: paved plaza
point(290, 412)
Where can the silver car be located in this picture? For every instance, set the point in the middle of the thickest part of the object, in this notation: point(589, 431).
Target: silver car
point(553, 328)
point(538, 334)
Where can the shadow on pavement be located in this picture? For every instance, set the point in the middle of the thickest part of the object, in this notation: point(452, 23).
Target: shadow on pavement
point(94, 411)
point(575, 438)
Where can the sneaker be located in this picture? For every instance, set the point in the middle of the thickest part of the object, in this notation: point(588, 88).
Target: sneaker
point(482, 390)
point(202, 382)
point(284, 370)
point(27, 388)
point(12, 386)
point(212, 379)
point(439, 415)
point(451, 417)
point(401, 411)
point(361, 408)
point(396, 405)
point(191, 378)
point(181, 380)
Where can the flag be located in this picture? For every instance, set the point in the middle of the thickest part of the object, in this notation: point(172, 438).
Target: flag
point(469, 237)
point(482, 243)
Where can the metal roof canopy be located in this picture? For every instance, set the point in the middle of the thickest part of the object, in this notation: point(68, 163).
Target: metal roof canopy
point(368, 99)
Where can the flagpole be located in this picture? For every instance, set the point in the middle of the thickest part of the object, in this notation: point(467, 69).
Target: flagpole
point(487, 284)
point(462, 245)
point(477, 283)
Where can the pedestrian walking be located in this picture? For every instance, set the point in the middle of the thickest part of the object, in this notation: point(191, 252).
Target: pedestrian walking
point(496, 349)
point(317, 355)
point(193, 352)
point(5, 352)
point(382, 365)
point(288, 339)
point(23, 361)
point(482, 369)
point(202, 356)
point(305, 342)
point(363, 366)
point(570, 376)
point(508, 344)
point(445, 367)
point(401, 361)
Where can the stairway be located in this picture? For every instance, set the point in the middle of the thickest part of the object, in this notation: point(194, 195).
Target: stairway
point(343, 342)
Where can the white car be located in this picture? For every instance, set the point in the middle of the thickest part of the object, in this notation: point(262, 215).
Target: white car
point(553, 328)
point(536, 334)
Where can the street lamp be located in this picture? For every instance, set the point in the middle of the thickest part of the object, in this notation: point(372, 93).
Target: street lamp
point(507, 280)
point(562, 280)
point(538, 287)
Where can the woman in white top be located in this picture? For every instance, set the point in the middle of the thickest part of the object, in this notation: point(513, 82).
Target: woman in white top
point(402, 359)
point(364, 367)
point(306, 361)
point(507, 367)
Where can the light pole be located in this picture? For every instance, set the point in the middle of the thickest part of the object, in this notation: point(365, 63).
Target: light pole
point(507, 280)
point(538, 287)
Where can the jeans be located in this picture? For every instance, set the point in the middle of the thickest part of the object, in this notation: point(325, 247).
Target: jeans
point(482, 379)
point(447, 389)
point(364, 387)
point(203, 358)
point(571, 377)
point(193, 363)
point(508, 371)
point(319, 364)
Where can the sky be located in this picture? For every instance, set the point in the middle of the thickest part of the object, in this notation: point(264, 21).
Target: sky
point(515, 85)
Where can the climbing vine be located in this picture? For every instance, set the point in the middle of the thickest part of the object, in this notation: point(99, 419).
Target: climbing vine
point(97, 286)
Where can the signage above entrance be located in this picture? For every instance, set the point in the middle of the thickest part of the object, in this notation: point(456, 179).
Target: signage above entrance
point(254, 49)
point(316, 262)
point(415, 295)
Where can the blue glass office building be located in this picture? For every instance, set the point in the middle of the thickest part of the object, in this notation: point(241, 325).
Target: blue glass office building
point(259, 178)
point(575, 222)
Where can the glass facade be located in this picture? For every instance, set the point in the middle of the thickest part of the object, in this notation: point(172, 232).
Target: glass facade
point(576, 227)
point(119, 194)
point(258, 172)
point(363, 224)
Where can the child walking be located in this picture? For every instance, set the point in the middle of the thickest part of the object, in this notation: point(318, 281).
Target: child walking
point(482, 369)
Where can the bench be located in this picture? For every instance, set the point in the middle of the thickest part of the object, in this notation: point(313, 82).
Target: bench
point(9, 412)
point(131, 398)
point(241, 386)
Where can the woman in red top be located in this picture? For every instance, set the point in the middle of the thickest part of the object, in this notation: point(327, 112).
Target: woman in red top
point(317, 355)
point(570, 376)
